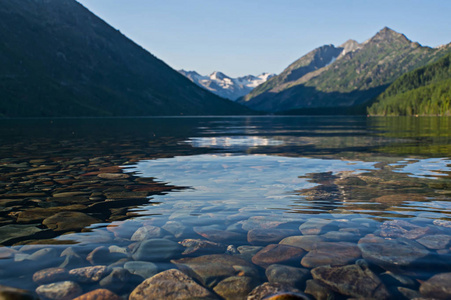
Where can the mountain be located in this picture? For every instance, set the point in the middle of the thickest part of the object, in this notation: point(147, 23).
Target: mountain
point(424, 91)
point(342, 77)
point(59, 59)
point(225, 86)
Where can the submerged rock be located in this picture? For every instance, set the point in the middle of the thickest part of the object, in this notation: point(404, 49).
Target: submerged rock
point(288, 296)
point(196, 246)
point(352, 280)
point(147, 232)
point(210, 269)
point(217, 235)
point(235, 287)
point(319, 290)
point(14, 231)
point(10, 293)
point(69, 220)
point(306, 242)
point(437, 287)
point(316, 226)
point(391, 254)
point(99, 294)
point(157, 250)
point(277, 253)
point(409, 293)
point(50, 275)
point(334, 254)
point(287, 275)
point(170, 284)
point(116, 280)
point(176, 228)
point(247, 252)
point(268, 236)
point(263, 222)
point(88, 274)
point(401, 228)
point(63, 290)
point(436, 241)
point(143, 269)
point(270, 289)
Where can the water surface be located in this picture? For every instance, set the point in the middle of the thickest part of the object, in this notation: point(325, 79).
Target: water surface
point(195, 188)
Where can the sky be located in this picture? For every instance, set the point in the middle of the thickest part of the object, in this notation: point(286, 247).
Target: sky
point(241, 37)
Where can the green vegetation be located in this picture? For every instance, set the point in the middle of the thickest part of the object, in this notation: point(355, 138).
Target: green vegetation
point(424, 91)
point(351, 81)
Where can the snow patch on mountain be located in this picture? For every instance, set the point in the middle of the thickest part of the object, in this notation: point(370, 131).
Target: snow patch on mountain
point(225, 86)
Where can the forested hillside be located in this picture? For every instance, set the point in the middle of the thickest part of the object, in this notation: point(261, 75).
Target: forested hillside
point(424, 91)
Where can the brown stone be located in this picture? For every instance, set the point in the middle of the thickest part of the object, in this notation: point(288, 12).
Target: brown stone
point(10, 293)
point(437, 287)
point(306, 242)
point(352, 280)
point(334, 254)
point(63, 290)
point(288, 296)
point(210, 269)
point(69, 220)
point(99, 294)
point(318, 290)
point(270, 289)
point(88, 274)
point(397, 199)
point(170, 284)
point(38, 214)
point(262, 222)
point(277, 253)
point(69, 194)
point(113, 176)
point(50, 275)
point(199, 246)
point(235, 287)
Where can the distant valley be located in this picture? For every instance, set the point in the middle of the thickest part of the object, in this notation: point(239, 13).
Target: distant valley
point(225, 86)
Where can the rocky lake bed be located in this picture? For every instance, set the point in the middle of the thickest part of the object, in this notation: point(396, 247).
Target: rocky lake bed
point(189, 223)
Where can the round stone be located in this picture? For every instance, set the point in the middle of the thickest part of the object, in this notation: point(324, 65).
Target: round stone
point(391, 254)
point(63, 290)
point(437, 287)
point(277, 253)
point(157, 250)
point(170, 284)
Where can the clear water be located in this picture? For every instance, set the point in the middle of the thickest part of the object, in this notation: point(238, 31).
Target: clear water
point(234, 175)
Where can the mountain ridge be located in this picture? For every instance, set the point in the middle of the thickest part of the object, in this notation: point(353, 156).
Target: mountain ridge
point(225, 86)
point(355, 76)
point(62, 60)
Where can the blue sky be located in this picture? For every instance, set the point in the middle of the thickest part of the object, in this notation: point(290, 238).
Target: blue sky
point(254, 36)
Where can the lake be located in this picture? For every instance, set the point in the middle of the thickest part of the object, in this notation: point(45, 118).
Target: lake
point(226, 207)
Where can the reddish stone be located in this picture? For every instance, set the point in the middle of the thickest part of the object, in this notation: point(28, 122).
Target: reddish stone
point(99, 294)
point(277, 253)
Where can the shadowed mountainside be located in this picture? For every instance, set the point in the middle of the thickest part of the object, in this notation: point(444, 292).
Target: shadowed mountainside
point(59, 59)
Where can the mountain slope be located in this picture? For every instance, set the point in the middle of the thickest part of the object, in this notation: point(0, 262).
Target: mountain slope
point(356, 74)
point(59, 59)
point(424, 91)
point(225, 86)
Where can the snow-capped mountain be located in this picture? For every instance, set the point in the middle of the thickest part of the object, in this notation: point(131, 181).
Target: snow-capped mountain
point(225, 86)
